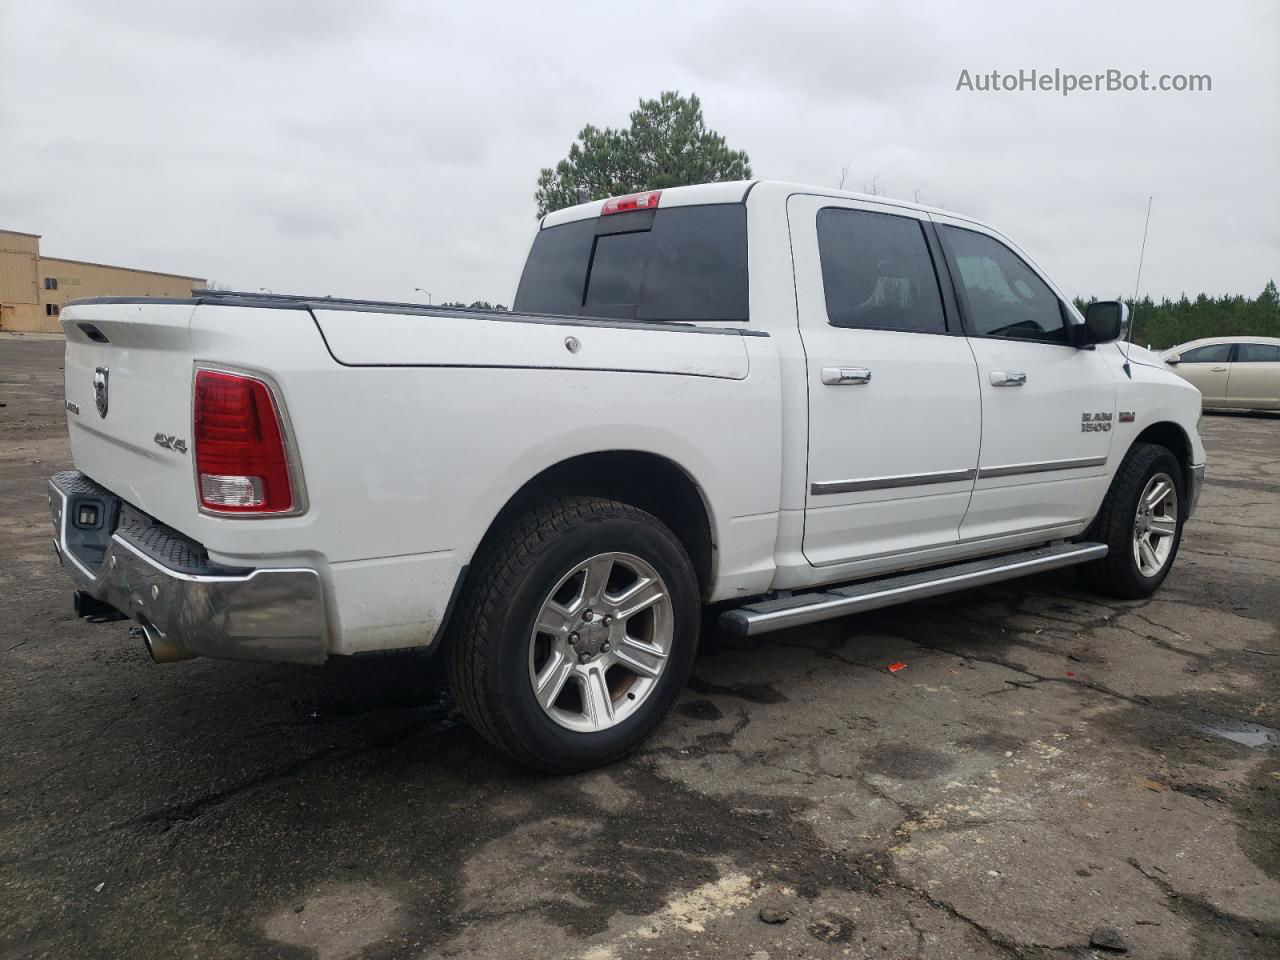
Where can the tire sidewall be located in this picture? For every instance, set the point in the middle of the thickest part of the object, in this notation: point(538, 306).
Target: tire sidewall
point(559, 747)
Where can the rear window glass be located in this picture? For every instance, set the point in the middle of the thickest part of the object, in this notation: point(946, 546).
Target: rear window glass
point(1258, 353)
point(686, 264)
point(617, 267)
point(555, 275)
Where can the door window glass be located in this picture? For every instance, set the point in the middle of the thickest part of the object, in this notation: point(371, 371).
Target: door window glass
point(1005, 297)
point(1258, 353)
point(877, 272)
point(1214, 353)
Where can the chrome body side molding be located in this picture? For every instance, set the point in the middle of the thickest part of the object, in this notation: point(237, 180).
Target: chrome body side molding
point(820, 487)
point(1014, 469)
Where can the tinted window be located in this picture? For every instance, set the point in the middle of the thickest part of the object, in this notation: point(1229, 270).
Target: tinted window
point(1258, 353)
point(877, 272)
point(1005, 297)
point(555, 275)
point(697, 266)
point(617, 266)
point(1214, 353)
point(684, 264)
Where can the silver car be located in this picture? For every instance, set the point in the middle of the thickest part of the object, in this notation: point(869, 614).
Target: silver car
point(1231, 372)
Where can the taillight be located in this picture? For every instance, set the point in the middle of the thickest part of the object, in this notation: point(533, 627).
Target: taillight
point(632, 201)
point(242, 465)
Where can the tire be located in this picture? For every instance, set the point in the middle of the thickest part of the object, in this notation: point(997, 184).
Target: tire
point(1124, 572)
point(527, 575)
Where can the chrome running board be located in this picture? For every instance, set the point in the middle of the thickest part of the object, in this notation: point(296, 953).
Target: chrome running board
point(765, 616)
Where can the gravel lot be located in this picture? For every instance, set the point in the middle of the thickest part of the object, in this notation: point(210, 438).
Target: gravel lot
point(1047, 763)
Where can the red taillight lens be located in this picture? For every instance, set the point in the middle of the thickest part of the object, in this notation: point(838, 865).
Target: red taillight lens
point(241, 463)
point(632, 201)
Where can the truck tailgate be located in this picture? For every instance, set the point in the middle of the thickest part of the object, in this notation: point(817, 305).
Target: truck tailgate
point(127, 376)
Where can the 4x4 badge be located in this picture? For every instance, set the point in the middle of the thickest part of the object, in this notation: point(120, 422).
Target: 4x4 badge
point(170, 442)
point(100, 389)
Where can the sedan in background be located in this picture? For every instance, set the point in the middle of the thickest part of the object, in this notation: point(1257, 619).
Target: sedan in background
point(1240, 373)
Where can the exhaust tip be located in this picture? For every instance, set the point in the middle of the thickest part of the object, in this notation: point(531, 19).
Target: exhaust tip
point(160, 647)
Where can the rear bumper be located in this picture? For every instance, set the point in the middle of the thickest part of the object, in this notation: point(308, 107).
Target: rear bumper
point(164, 581)
point(1195, 484)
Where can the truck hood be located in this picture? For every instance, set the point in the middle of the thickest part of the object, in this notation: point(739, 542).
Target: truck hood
point(1142, 355)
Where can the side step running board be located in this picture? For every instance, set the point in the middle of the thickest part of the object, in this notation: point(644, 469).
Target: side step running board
point(766, 616)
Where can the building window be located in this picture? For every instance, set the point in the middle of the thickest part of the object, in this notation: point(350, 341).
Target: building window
point(50, 309)
point(51, 283)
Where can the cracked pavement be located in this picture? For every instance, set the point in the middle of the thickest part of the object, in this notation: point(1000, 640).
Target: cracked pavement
point(1048, 762)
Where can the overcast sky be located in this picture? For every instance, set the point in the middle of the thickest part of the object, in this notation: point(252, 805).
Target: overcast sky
point(367, 148)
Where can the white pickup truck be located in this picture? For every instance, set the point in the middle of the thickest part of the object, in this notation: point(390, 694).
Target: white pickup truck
point(790, 402)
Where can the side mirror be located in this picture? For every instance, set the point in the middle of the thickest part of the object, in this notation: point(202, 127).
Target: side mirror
point(1174, 360)
point(1104, 321)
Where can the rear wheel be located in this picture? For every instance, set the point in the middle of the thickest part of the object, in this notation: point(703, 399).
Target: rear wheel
point(1141, 524)
point(575, 632)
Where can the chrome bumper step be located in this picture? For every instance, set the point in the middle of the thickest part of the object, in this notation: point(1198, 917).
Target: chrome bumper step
point(766, 616)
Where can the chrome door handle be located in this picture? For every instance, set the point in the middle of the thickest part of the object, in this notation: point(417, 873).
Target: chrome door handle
point(1008, 378)
point(835, 376)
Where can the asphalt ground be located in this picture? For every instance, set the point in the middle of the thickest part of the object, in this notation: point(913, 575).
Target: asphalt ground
point(1047, 763)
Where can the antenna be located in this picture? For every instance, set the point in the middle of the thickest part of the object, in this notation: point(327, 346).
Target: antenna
point(1133, 319)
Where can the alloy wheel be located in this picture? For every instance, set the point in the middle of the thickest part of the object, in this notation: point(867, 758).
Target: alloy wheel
point(600, 642)
point(1155, 525)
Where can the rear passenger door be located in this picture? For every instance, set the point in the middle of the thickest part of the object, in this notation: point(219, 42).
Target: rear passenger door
point(894, 414)
point(1208, 369)
point(1047, 406)
point(1254, 380)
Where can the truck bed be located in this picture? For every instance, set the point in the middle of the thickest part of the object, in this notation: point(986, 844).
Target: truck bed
point(413, 426)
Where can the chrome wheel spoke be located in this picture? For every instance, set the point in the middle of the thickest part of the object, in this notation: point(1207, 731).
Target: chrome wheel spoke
point(596, 700)
point(1164, 526)
point(1156, 492)
point(640, 657)
point(549, 684)
point(641, 595)
point(1148, 553)
point(598, 571)
point(554, 619)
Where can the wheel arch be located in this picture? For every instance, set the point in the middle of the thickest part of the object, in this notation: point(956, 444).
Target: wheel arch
point(1162, 433)
point(650, 481)
point(1172, 437)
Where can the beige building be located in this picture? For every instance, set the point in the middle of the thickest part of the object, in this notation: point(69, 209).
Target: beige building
point(33, 289)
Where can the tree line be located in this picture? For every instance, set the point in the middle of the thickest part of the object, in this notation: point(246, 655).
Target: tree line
point(1168, 322)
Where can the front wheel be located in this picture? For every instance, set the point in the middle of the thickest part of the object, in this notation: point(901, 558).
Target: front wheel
point(1141, 524)
point(575, 632)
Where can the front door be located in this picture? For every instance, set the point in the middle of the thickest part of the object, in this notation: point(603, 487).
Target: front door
point(1047, 407)
point(894, 413)
point(1208, 369)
